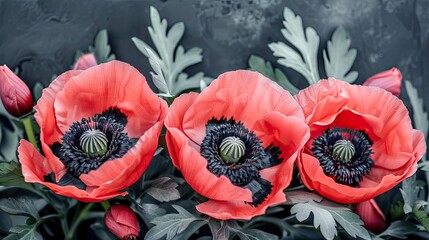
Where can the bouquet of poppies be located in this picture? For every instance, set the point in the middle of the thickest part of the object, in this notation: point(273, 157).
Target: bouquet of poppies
point(247, 155)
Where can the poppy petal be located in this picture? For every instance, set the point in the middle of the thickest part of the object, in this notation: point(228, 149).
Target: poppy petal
point(389, 80)
point(371, 215)
point(244, 95)
point(225, 210)
point(35, 167)
point(112, 84)
point(288, 133)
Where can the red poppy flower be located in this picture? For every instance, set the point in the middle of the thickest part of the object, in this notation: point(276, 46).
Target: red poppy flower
point(389, 80)
point(236, 143)
point(85, 61)
point(362, 142)
point(122, 222)
point(14, 94)
point(99, 129)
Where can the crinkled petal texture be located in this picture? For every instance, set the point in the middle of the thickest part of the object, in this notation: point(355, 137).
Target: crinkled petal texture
point(264, 108)
point(82, 94)
point(396, 145)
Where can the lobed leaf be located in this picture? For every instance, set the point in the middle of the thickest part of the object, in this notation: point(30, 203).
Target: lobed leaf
point(24, 232)
point(171, 224)
point(172, 57)
point(19, 206)
point(409, 192)
point(306, 41)
point(164, 190)
point(325, 214)
point(339, 57)
point(101, 48)
point(10, 174)
point(258, 64)
point(399, 229)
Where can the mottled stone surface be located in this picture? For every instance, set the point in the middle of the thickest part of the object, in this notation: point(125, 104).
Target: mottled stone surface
point(41, 36)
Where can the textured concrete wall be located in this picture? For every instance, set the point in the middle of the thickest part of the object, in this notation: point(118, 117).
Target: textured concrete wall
point(41, 36)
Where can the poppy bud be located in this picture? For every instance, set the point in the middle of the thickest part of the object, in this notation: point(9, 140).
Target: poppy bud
point(15, 95)
point(85, 61)
point(122, 222)
point(371, 215)
point(389, 80)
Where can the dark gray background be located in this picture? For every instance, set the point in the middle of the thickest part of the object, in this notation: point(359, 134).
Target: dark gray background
point(41, 36)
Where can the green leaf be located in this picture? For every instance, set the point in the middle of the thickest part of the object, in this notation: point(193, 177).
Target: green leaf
point(420, 117)
point(164, 190)
point(325, 213)
point(171, 224)
point(421, 216)
point(24, 232)
point(409, 192)
point(305, 41)
point(253, 234)
point(20, 206)
point(399, 229)
point(339, 57)
point(172, 57)
point(101, 48)
point(9, 136)
point(322, 218)
point(158, 76)
point(10, 174)
point(258, 64)
point(351, 223)
point(37, 91)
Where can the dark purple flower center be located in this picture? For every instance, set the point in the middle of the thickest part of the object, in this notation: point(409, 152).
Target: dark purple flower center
point(344, 154)
point(237, 153)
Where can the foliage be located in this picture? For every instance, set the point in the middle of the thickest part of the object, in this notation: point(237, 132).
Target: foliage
point(170, 56)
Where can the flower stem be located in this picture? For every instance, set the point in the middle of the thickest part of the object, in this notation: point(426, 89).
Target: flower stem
point(82, 216)
point(105, 204)
point(29, 131)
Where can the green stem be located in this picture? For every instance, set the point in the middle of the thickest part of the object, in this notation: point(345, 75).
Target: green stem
point(105, 204)
point(48, 217)
point(82, 216)
point(29, 131)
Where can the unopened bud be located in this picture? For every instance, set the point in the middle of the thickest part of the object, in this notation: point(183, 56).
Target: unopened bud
point(14, 93)
point(122, 222)
point(85, 61)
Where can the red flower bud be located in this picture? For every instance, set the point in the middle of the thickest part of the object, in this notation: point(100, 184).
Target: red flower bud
point(15, 95)
point(122, 222)
point(389, 80)
point(371, 215)
point(85, 61)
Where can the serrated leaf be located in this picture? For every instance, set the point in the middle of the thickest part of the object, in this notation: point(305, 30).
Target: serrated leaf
point(339, 57)
point(420, 117)
point(158, 76)
point(172, 57)
point(421, 216)
point(305, 41)
point(258, 64)
point(10, 174)
point(171, 224)
point(409, 192)
point(399, 229)
point(164, 190)
point(101, 48)
point(19, 206)
point(24, 232)
point(322, 218)
point(351, 223)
